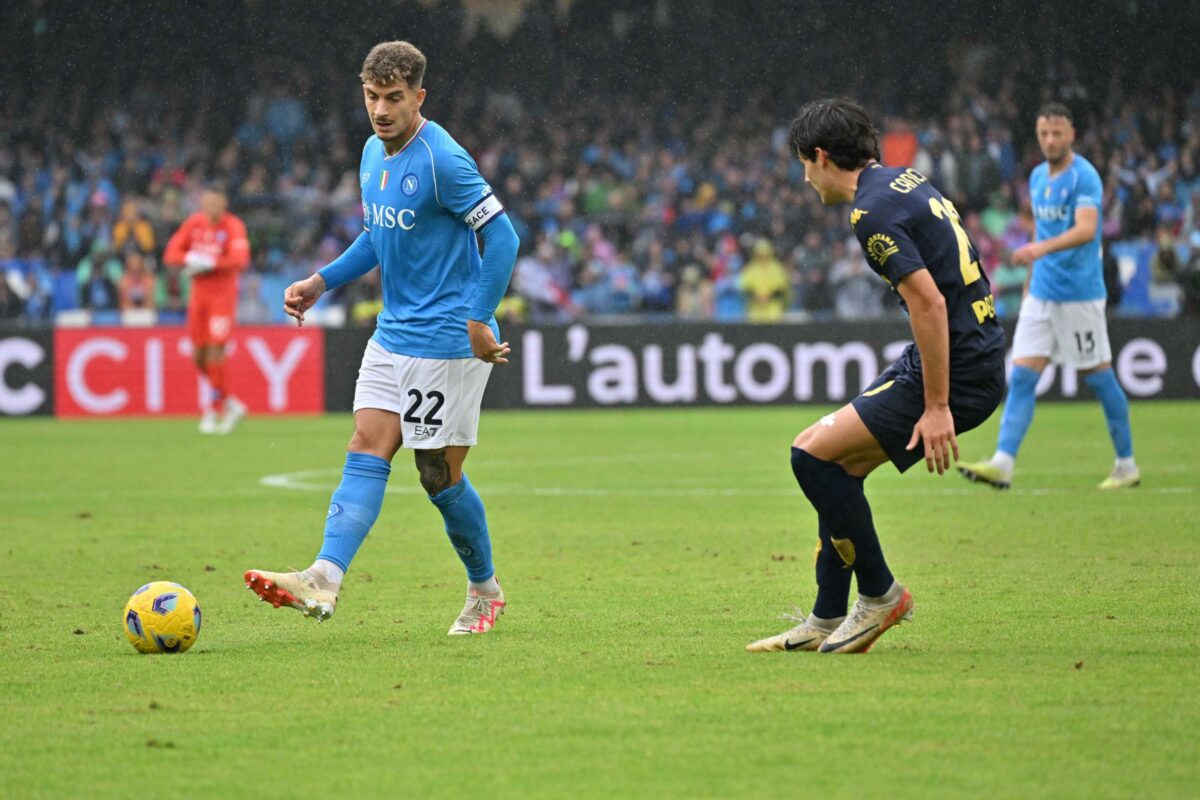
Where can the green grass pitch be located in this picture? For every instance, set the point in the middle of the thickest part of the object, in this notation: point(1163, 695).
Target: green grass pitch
point(1053, 651)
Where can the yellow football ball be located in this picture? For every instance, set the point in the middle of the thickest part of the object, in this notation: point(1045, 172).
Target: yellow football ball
point(162, 617)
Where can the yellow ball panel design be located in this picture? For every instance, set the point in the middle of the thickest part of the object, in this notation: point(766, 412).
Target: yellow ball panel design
point(162, 617)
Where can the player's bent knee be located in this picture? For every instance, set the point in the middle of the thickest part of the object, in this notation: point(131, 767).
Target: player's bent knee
point(433, 470)
point(808, 469)
point(373, 444)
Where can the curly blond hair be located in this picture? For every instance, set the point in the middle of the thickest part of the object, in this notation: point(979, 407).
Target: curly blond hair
point(392, 62)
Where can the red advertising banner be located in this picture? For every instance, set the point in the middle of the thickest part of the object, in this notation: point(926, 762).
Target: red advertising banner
point(149, 371)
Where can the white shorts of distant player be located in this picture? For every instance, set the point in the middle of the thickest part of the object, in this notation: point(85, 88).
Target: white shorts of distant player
point(437, 399)
point(1073, 334)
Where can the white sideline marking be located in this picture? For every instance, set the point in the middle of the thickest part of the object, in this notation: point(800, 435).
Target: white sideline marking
point(304, 481)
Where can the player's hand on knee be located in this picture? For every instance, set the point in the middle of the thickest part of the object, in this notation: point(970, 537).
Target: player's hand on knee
point(302, 295)
point(484, 344)
point(936, 429)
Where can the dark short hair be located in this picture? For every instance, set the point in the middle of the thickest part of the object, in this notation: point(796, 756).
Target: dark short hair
point(838, 126)
point(1055, 110)
point(392, 62)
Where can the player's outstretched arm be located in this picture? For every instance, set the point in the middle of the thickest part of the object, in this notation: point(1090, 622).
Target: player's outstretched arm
point(358, 260)
point(931, 331)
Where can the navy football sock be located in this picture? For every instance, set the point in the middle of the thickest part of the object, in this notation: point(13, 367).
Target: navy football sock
point(841, 504)
point(833, 578)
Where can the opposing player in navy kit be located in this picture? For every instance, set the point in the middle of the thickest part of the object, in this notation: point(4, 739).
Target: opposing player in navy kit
point(1062, 313)
point(424, 371)
point(949, 381)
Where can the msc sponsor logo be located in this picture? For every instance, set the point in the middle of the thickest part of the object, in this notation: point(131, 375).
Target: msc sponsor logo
point(1046, 213)
point(391, 217)
point(881, 247)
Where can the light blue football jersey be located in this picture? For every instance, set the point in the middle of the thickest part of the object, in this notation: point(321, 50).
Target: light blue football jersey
point(422, 208)
point(1077, 273)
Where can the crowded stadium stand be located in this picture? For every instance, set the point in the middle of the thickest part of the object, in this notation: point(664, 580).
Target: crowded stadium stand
point(647, 174)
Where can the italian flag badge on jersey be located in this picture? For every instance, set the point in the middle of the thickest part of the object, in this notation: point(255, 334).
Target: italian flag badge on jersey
point(383, 180)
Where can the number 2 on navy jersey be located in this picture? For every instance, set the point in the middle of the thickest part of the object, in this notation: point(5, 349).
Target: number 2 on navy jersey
point(944, 209)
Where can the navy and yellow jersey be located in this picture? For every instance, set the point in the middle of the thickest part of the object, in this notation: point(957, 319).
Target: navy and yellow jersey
point(903, 225)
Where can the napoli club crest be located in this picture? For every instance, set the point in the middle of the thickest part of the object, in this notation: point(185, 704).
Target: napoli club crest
point(409, 184)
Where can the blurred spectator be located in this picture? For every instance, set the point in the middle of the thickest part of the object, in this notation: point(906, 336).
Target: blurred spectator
point(542, 279)
point(10, 304)
point(132, 227)
point(694, 299)
point(136, 289)
point(367, 301)
point(97, 276)
point(1008, 287)
point(96, 289)
point(765, 284)
point(857, 290)
point(613, 213)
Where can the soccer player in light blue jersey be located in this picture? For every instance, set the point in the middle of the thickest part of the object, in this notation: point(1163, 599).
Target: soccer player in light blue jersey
point(1062, 314)
point(425, 206)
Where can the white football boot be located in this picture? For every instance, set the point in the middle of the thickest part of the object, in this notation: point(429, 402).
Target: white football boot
point(809, 635)
point(867, 623)
point(209, 421)
point(1122, 478)
point(300, 590)
point(479, 614)
point(234, 411)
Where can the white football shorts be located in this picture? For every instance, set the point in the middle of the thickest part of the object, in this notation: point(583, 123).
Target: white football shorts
point(1074, 334)
point(437, 399)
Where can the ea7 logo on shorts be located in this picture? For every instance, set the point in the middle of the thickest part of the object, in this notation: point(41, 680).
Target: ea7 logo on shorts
point(881, 247)
point(425, 430)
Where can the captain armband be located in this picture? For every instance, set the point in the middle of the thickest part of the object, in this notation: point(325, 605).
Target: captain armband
point(483, 212)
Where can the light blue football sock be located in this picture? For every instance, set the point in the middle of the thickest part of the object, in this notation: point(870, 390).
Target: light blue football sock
point(466, 525)
point(1116, 410)
point(1018, 409)
point(354, 507)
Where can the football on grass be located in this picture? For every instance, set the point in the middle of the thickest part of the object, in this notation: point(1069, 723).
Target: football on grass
point(162, 617)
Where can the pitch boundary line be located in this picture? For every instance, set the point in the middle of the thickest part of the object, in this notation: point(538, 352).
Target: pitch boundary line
point(305, 481)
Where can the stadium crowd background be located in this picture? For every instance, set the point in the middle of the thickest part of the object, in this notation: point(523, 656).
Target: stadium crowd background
point(640, 147)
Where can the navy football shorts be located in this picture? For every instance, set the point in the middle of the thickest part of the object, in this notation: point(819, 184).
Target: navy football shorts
point(892, 404)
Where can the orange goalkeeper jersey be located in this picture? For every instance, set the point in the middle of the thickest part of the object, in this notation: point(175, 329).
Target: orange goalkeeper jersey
point(225, 242)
